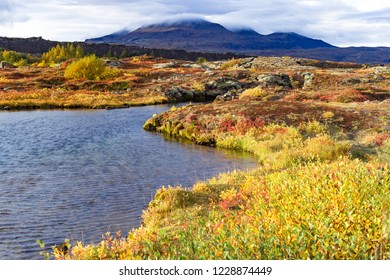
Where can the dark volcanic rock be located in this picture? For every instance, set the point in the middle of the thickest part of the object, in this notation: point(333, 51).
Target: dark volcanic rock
point(272, 80)
point(37, 45)
point(220, 87)
point(178, 94)
point(230, 95)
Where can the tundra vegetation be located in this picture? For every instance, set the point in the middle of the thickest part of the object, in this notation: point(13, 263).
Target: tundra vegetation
point(320, 131)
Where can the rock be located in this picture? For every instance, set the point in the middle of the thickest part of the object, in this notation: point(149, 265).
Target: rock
point(245, 63)
point(230, 95)
point(352, 81)
point(165, 65)
point(273, 97)
point(308, 79)
point(5, 64)
point(187, 65)
point(114, 63)
point(178, 94)
point(272, 80)
point(220, 87)
point(378, 70)
point(378, 78)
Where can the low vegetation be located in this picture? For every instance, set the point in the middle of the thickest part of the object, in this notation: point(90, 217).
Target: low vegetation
point(316, 210)
point(319, 130)
point(321, 190)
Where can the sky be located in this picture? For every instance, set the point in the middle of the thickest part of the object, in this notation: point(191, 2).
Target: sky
point(339, 22)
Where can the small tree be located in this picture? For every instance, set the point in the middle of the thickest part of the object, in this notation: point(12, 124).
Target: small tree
point(201, 60)
point(11, 56)
point(89, 67)
point(61, 53)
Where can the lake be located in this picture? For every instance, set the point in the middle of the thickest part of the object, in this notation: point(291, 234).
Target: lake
point(79, 174)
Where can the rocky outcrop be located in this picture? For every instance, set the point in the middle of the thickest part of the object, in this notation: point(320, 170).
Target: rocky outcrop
point(274, 80)
point(5, 64)
point(220, 87)
point(178, 94)
point(166, 65)
point(230, 95)
point(303, 80)
point(113, 63)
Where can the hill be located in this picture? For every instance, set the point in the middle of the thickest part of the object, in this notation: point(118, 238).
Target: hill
point(204, 36)
point(38, 45)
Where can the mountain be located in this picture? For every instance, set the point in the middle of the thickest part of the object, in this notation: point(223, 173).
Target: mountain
point(204, 36)
point(190, 39)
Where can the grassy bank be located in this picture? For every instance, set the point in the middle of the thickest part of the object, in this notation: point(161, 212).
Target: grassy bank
point(128, 82)
point(321, 190)
point(62, 99)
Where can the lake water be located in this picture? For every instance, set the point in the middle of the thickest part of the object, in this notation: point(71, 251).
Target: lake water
point(79, 174)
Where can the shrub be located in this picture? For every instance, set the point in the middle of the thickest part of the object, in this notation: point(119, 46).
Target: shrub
point(253, 92)
point(328, 115)
point(198, 86)
point(90, 67)
point(11, 56)
point(201, 60)
point(230, 63)
point(16, 58)
point(312, 128)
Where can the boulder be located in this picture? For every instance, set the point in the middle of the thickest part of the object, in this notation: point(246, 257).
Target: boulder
point(230, 95)
point(113, 63)
point(5, 64)
point(165, 65)
point(178, 94)
point(273, 80)
point(220, 87)
point(308, 79)
point(352, 81)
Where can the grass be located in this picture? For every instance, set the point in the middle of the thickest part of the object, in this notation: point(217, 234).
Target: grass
point(63, 99)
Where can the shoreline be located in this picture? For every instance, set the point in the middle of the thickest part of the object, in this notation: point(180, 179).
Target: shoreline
point(208, 220)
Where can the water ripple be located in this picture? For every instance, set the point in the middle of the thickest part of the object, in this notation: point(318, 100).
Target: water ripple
point(79, 174)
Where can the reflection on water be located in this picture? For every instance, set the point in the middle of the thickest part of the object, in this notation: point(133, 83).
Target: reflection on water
point(79, 174)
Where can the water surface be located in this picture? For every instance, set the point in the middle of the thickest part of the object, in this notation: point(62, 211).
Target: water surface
point(79, 174)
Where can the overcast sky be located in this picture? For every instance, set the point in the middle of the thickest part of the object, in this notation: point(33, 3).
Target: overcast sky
point(339, 22)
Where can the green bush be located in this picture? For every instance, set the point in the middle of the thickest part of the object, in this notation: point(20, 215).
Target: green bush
point(201, 60)
point(89, 67)
point(16, 58)
point(11, 56)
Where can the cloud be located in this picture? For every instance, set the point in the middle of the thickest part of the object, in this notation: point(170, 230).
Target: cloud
point(5, 12)
point(339, 22)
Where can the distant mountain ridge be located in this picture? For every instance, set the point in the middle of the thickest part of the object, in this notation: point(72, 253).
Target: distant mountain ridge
point(204, 36)
point(38, 45)
point(188, 40)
